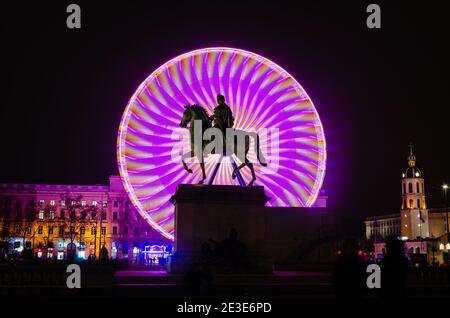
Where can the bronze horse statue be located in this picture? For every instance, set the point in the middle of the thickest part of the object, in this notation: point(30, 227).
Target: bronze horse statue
point(195, 115)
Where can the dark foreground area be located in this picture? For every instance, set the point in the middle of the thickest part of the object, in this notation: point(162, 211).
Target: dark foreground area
point(112, 281)
point(135, 291)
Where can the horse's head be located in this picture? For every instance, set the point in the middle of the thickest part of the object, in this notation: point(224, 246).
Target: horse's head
point(187, 116)
point(192, 113)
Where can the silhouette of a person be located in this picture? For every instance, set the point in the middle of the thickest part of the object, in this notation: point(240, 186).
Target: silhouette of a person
point(394, 270)
point(349, 272)
point(230, 252)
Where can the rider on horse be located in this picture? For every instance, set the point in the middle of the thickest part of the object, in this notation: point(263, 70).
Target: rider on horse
point(223, 116)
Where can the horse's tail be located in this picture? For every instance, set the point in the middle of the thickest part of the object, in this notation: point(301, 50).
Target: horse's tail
point(259, 153)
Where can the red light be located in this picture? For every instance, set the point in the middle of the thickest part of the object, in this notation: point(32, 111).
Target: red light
point(360, 252)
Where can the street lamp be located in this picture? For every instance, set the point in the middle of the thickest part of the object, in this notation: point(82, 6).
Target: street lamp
point(445, 188)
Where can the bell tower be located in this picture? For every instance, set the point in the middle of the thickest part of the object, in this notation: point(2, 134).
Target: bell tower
point(414, 214)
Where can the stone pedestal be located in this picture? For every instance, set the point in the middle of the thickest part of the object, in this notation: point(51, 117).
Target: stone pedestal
point(210, 211)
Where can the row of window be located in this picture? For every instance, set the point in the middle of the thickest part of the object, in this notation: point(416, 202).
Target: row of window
point(83, 203)
point(384, 232)
point(72, 230)
point(83, 215)
point(411, 204)
point(381, 224)
point(19, 203)
point(410, 188)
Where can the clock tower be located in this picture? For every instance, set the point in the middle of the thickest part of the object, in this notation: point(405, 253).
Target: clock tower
point(414, 214)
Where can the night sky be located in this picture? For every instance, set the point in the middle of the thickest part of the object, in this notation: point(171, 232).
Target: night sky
point(63, 91)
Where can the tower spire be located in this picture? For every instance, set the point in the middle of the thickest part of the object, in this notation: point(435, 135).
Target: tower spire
point(411, 146)
point(411, 157)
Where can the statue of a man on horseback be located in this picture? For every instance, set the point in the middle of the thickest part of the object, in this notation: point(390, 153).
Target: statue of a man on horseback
point(230, 141)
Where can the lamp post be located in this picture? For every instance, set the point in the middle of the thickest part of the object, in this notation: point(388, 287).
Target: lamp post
point(445, 188)
point(447, 246)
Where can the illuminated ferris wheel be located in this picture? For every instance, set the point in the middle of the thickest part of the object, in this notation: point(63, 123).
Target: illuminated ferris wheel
point(263, 98)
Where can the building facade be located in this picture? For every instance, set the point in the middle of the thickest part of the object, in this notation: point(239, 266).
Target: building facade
point(60, 221)
point(380, 227)
point(424, 230)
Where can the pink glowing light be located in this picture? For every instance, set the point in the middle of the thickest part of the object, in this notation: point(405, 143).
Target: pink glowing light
point(261, 94)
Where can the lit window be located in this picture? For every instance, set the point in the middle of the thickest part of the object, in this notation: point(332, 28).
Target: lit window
point(94, 203)
point(72, 202)
point(41, 215)
point(63, 203)
point(52, 215)
point(52, 202)
point(105, 204)
point(83, 203)
point(41, 202)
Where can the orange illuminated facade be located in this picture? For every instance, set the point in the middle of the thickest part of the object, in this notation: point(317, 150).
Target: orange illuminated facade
point(57, 221)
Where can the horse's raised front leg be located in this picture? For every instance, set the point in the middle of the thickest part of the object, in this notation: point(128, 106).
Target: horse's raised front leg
point(186, 155)
point(200, 158)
